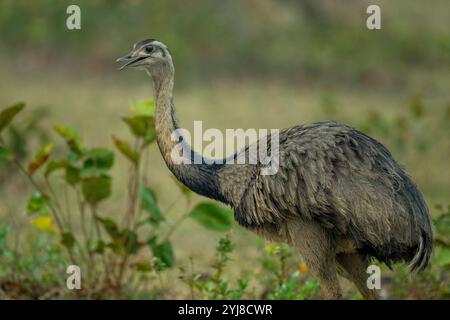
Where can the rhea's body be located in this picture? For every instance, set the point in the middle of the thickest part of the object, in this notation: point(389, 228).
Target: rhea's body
point(338, 196)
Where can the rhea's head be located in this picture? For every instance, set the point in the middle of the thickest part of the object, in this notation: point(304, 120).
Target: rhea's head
point(150, 55)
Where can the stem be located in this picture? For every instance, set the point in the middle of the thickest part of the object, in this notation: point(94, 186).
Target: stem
point(133, 186)
point(140, 208)
point(87, 239)
point(146, 166)
point(53, 193)
point(81, 207)
point(191, 285)
point(178, 222)
point(67, 205)
point(52, 208)
point(170, 206)
point(99, 236)
point(131, 217)
point(121, 271)
point(39, 189)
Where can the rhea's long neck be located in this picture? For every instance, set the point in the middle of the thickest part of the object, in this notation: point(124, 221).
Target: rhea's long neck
point(200, 178)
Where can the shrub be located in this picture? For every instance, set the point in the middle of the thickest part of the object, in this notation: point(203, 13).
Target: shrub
point(107, 248)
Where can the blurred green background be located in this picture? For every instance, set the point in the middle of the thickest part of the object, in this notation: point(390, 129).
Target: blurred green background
point(286, 39)
point(260, 64)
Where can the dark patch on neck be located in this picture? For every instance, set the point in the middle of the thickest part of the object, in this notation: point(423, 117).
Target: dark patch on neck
point(200, 178)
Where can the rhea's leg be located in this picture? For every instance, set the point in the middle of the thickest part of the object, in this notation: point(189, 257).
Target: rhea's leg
point(317, 248)
point(353, 266)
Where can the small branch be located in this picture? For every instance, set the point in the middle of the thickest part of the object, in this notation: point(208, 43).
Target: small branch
point(81, 207)
point(178, 222)
point(122, 268)
point(131, 217)
point(442, 241)
point(99, 236)
point(67, 205)
point(53, 210)
point(53, 193)
point(170, 206)
point(39, 189)
point(133, 185)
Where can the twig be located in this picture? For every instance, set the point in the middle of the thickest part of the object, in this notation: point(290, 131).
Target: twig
point(99, 236)
point(53, 193)
point(68, 210)
point(39, 189)
point(178, 222)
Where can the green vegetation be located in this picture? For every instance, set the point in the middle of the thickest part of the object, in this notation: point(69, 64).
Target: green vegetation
point(102, 197)
point(103, 247)
point(285, 39)
point(129, 255)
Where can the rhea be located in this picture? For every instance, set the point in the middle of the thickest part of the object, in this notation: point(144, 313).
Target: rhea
point(338, 197)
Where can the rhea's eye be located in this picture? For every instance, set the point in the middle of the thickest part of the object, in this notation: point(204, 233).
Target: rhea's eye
point(149, 49)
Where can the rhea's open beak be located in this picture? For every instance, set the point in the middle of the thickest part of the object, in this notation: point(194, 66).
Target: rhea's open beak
point(129, 60)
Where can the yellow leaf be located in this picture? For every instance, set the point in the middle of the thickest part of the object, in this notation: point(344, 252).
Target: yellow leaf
point(44, 223)
point(40, 158)
point(272, 249)
point(302, 267)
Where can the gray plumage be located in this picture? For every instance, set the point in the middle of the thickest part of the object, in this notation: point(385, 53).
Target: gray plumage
point(339, 196)
point(346, 182)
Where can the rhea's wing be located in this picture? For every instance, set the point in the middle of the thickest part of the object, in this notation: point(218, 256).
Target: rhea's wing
point(308, 158)
point(336, 176)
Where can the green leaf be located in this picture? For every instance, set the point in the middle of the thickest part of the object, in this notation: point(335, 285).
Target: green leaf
point(143, 107)
point(101, 158)
point(72, 174)
point(54, 165)
point(110, 227)
point(66, 133)
point(126, 150)
point(96, 189)
point(8, 114)
point(150, 203)
point(442, 224)
point(143, 266)
point(99, 248)
point(139, 125)
point(71, 137)
point(442, 258)
point(116, 247)
point(67, 240)
point(97, 162)
point(40, 158)
point(150, 137)
point(38, 204)
point(130, 241)
point(164, 252)
point(212, 216)
point(5, 153)
point(123, 241)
